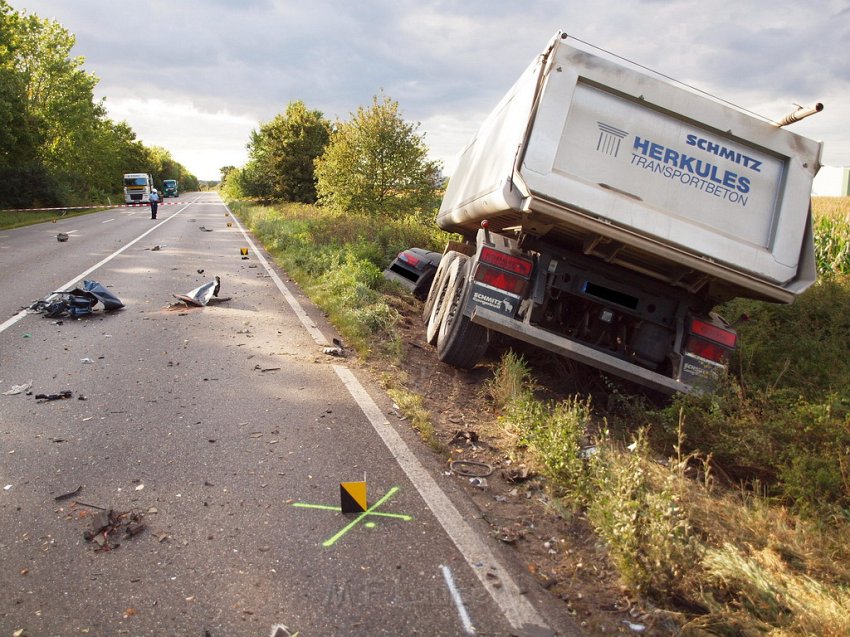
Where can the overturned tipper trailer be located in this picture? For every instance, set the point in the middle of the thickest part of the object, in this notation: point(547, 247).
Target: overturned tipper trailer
point(606, 211)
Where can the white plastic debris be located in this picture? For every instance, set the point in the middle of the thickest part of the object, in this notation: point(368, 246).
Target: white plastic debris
point(18, 389)
point(636, 628)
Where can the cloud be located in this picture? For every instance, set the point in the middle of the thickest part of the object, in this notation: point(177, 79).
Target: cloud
point(203, 141)
point(446, 63)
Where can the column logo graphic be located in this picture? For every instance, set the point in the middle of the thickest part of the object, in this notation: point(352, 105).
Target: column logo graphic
point(609, 139)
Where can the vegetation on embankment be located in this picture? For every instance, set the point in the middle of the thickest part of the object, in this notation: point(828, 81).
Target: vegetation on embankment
point(731, 510)
point(338, 260)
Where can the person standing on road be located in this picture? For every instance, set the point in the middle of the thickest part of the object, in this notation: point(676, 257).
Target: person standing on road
point(154, 199)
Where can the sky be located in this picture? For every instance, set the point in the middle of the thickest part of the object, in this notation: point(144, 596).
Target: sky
point(197, 76)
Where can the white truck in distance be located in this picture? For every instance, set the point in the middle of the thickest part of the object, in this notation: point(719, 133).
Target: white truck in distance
point(137, 187)
point(605, 212)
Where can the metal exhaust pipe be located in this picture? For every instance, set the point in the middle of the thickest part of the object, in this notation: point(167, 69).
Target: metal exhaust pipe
point(799, 114)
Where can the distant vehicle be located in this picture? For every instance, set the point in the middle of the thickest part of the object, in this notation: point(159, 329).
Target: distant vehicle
point(169, 188)
point(605, 213)
point(137, 187)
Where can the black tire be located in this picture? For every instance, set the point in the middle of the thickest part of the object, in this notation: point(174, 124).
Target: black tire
point(460, 342)
point(439, 278)
point(435, 318)
point(423, 286)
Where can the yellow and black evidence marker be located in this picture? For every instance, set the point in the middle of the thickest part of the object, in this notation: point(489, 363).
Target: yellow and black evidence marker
point(353, 497)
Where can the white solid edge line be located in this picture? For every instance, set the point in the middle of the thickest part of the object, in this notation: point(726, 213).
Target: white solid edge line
point(496, 580)
point(306, 321)
point(23, 313)
point(456, 598)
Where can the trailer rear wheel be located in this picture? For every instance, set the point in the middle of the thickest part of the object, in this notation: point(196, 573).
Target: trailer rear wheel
point(460, 342)
point(438, 309)
point(438, 280)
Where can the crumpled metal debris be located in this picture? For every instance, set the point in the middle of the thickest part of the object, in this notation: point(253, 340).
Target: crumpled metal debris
point(201, 295)
point(338, 348)
point(520, 473)
point(464, 437)
point(77, 302)
point(106, 525)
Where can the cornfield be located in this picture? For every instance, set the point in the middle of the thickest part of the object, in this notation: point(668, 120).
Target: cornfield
point(832, 235)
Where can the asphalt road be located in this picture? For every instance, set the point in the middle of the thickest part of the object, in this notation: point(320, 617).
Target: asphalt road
point(226, 431)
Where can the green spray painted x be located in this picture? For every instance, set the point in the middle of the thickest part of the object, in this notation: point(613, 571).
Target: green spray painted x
point(372, 510)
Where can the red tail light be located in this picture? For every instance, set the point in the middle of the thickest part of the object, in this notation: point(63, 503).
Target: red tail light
point(710, 341)
point(717, 334)
point(707, 349)
point(409, 258)
point(501, 280)
point(508, 262)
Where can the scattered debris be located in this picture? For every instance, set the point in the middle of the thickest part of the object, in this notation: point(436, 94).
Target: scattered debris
point(111, 523)
point(464, 436)
point(202, 295)
point(470, 468)
point(518, 474)
point(281, 630)
point(86, 361)
point(69, 495)
point(205, 229)
point(61, 237)
point(62, 395)
point(637, 628)
point(510, 535)
point(200, 270)
point(18, 389)
point(156, 248)
point(77, 302)
point(8, 487)
point(338, 348)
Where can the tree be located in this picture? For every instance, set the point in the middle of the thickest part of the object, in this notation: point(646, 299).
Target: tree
point(283, 151)
point(16, 145)
point(376, 164)
point(59, 93)
point(57, 146)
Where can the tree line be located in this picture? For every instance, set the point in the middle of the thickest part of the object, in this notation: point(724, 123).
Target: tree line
point(374, 164)
point(57, 145)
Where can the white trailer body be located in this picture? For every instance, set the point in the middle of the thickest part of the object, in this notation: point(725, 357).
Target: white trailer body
point(584, 148)
point(638, 204)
